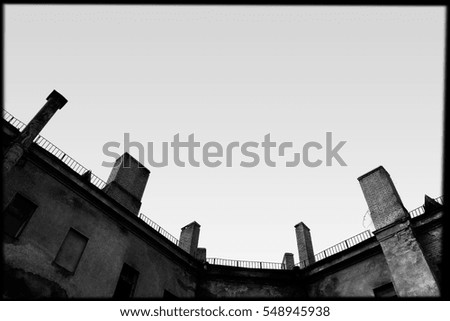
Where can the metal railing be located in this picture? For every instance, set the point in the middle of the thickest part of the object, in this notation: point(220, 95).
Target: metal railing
point(302, 264)
point(13, 121)
point(279, 266)
point(99, 183)
point(79, 169)
point(348, 243)
point(421, 209)
point(69, 161)
point(246, 264)
point(159, 229)
point(55, 151)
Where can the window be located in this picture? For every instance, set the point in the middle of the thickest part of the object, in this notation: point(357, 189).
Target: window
point(70, 252)
point(17, 214)
point(169, 296)
point(127, 282)
point(385, 291)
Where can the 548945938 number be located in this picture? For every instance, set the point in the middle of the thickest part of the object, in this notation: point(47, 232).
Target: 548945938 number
point(303, 311)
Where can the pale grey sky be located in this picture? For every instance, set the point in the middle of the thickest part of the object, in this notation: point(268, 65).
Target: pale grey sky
point(371, 75)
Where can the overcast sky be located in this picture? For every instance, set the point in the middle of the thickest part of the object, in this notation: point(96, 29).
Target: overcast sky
point(373, 76)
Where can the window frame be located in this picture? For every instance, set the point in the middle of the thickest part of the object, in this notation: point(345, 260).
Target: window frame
point(382, 289)
point(116, 295)
point(26, 221)
point(61, 246)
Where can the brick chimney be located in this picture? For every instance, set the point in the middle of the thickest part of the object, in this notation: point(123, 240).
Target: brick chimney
point(189, 238)
point(409, 269)
point(127, 181)
point(304, 244)
point(288, 261)
point(200, 254)
point(430, 205)
point(385, 204)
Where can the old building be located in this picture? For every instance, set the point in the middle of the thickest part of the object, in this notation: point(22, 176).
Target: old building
point(68, 234)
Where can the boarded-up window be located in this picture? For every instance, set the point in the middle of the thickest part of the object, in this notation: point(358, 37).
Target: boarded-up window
point(17, 214)
point(385, 291)
point(71, 250)
point(127, 282)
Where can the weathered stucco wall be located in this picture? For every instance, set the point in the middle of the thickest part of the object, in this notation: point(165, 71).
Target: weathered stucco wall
point(353, 273)
point(231, 282)
point(356, 280)
point(430, 240)
point(31, 273)
point(29, 259)
point(116, 236)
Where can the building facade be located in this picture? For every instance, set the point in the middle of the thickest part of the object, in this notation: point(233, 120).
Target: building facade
point(68, 234)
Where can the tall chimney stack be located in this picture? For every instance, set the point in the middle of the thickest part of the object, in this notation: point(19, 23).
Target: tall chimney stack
point(304, 244)
point(55, 101)
point(189, 238)
point(385, 205)
point(127, 181)
point(410, 272)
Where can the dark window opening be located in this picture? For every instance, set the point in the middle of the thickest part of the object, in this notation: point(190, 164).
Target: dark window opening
point(127, 282)
point(385, 291)
point(17, 214)
point(169, 296)
point(71, 250)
